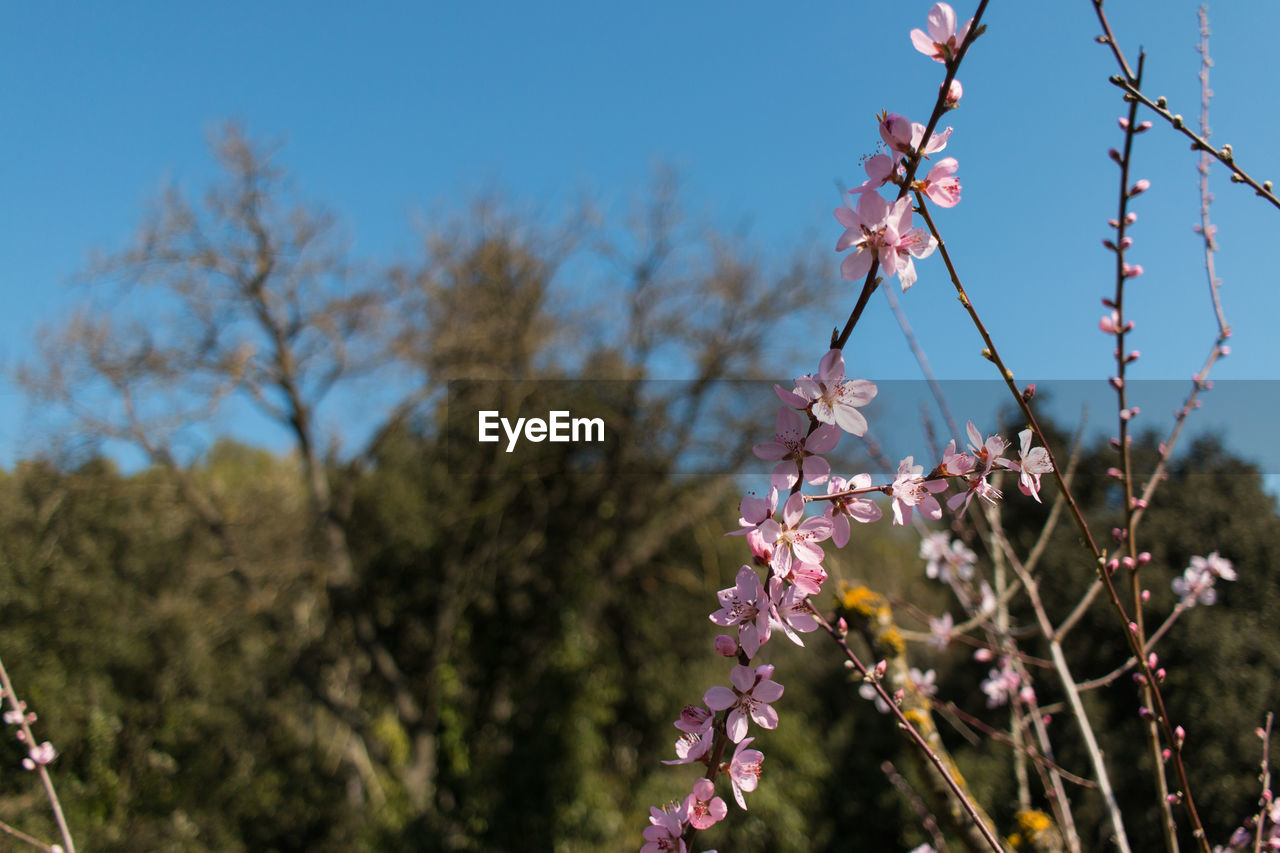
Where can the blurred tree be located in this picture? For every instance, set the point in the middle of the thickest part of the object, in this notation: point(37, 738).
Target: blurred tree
point(243, 296)
point(453, 635)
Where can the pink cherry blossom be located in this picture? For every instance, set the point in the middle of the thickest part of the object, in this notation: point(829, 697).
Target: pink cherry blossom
point(865, 227)
point(940, 631)
point(666, 827)
point(905, 137)
point(911, 491)
point(698, 735)
point(943, 39)
point(986, 456)
point(703, 806)
point(789, 609)
point(840, 510)
point(946, 560)
point(807, 577)
point(798, 451)
point(940, 185)
point(1001, 684)
point(1031, 464)
point(753, 691)
point(924, 683)
point(882, 231)
point(746, 605)
point(955, 464)
point(796, 538)
point(744, 770)
point(754, 511)
point(45, 753)
point(1196, 586)
point(833, 399)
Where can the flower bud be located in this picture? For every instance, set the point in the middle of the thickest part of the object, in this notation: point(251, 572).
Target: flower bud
point(726, 646)
point(954, 93)
point(1139, 187)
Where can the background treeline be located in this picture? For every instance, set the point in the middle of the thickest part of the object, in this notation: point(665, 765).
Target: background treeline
point(425, 643)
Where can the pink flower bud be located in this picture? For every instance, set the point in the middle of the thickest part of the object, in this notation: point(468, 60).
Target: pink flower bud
point(881, 668)
point(726, 646)
point(1224, 350)
point(1130, 218)
point(982, 655)
point(1126, 242)
point(1112, 565)
point(1140, 187)
point(1165, 754)
point(1142, 127)
point(1132, 270)
point(1116, 382)
point(955, 92)
point(1128, 563)
point(1114, 155)
point(1152, 660)
point(1160, 674)
point(1146, 595)
point(1123, 122)
point(1133, 627)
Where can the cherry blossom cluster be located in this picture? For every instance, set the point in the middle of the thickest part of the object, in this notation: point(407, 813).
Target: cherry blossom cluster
point(784, 537)
point(786, 540)
point(37, 754)
point(877, 229)
point(1196, 586)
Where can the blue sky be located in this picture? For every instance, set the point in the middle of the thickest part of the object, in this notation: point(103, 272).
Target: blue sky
point(393, 113)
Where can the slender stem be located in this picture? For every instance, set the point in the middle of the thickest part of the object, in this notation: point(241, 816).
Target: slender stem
point(918, 739)
point(1265, 779)
point(30, 740)
point(1068, 683)
point(1129, 83)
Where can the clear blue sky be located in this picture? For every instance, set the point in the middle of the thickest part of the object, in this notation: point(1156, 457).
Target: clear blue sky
point(392, 112)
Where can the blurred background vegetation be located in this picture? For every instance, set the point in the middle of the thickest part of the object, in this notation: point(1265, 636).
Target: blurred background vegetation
point(425, 643)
